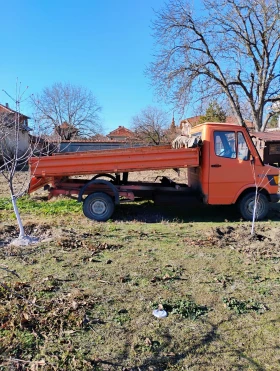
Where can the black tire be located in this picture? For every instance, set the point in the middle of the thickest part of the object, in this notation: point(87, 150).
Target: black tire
point(246, 206)
point(104, 176)
point(98, 206)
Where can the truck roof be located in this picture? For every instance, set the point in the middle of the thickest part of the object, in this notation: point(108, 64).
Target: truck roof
point(214, 124)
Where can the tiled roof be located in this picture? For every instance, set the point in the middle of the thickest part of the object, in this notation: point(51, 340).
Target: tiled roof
point(272, 136)
point(233, 120)
point(121, 131)
point(4, 108)
point(192, 120)
point(64, 125)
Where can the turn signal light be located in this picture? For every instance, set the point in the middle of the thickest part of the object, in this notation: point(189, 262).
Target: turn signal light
point(273, 179)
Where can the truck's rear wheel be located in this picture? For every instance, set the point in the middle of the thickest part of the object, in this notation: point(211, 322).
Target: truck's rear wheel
point(98, 206)
point(246, 206)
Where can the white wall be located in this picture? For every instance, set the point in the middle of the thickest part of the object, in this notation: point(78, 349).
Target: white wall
point(23, 143)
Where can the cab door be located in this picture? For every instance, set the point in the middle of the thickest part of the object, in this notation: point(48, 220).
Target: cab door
point(229, 166)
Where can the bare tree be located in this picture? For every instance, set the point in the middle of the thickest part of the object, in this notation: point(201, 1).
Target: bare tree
point(68, 110)
point(150, 125)
point(16, 147)
point(231, 48)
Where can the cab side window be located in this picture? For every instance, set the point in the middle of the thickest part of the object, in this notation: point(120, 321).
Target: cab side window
point(242, 148)
point(225, 144)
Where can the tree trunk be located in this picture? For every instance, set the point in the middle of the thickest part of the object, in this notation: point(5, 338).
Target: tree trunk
point(21, 230)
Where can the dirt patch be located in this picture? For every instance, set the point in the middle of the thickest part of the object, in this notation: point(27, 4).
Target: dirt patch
point(38, 230)
point(264, 243)
point(65, 239)
point(70, 240)
point(10, 232)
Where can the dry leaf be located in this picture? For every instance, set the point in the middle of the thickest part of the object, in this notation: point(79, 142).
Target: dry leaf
point(148, 342)
point(26, 316)
point(74, 305)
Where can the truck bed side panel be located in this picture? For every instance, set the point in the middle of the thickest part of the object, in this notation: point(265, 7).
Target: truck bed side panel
point(115, 161)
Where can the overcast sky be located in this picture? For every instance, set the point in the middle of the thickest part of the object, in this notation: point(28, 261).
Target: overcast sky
point(103, 45)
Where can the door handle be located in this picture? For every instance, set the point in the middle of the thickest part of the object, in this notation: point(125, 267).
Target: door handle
point(216, 165)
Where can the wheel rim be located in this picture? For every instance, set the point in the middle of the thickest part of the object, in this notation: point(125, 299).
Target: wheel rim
point(98, 207)
point(259, 209)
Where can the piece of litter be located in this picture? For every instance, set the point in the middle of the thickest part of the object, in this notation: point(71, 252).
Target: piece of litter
point(159, 313)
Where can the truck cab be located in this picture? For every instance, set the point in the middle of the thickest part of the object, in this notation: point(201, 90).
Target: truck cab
point(231, 170)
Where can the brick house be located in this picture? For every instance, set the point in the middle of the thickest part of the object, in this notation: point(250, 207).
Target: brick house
point(8, 118)
point(121, 134)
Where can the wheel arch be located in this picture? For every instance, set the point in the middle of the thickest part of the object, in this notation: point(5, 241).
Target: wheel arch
point(249, 190)
point(100, 181)
point(110, 176)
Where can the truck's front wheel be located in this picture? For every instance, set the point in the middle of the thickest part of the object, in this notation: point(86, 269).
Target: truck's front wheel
point(98, 206)
point(246, 206)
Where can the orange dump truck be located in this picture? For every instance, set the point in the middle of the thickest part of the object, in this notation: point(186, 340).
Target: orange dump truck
point(226, 169)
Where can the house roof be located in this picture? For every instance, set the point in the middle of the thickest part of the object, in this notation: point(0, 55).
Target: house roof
point(121, 131)
point(66, 128)
point(64, 125)
point(232, 119)
point(192, 120)
point(9, 110)
point(272, 136)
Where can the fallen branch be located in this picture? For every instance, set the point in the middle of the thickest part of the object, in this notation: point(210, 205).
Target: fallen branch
point(17, 360)
point(5, 268)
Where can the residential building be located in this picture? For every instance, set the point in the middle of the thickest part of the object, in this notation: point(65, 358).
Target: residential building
point(8, 120)
point(121, 134)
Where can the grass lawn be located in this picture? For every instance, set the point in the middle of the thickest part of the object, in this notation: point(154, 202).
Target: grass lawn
point(83, 297)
